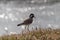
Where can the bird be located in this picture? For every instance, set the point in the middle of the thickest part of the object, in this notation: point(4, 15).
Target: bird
point(28, 21)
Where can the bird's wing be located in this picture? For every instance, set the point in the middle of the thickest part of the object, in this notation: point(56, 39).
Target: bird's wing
point(28, 21)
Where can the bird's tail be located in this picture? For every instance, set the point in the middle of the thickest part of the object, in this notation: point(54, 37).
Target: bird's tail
point(20, 24)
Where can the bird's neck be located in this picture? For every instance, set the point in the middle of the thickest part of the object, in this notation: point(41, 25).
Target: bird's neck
point(31, 18)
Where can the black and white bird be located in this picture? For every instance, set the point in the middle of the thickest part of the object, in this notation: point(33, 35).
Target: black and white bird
point(28, 21)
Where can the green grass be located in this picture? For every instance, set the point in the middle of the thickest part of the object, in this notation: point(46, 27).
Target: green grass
point(41, 34)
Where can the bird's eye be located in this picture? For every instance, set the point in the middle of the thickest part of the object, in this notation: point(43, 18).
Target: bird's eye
point(31, 15)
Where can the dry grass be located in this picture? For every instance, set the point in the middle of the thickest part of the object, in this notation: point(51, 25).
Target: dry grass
point(41, 34)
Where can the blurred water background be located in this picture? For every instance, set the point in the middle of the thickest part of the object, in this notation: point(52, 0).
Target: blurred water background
point(13, 12)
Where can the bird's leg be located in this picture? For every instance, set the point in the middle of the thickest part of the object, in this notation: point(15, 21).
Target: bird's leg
point(25, 27)
point(28, 28)
point(32, 28)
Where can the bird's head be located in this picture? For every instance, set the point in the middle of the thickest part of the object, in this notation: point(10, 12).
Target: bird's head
point(31, 15)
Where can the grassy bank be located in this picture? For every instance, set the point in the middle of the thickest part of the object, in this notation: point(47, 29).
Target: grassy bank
point(41, 34)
